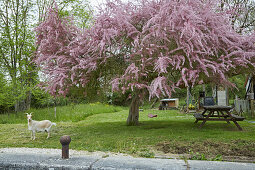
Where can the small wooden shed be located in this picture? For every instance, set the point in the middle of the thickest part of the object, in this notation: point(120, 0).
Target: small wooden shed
point(172, 103)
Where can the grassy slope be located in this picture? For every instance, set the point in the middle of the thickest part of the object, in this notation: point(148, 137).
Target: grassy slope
point(71, 113)
point(170, 132)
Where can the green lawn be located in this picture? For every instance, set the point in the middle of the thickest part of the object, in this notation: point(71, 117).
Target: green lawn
point(169, 133)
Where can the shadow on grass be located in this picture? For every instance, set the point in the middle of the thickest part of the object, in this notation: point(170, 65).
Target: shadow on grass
point(165, 130)
point(174, 124)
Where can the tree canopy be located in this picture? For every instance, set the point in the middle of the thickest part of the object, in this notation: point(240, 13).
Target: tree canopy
point(157, 45)
point(17, 45)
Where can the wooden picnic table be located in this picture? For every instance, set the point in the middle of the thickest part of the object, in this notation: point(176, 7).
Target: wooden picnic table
point(218, 113)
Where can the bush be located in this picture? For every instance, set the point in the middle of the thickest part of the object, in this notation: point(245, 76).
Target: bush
point(6, 98)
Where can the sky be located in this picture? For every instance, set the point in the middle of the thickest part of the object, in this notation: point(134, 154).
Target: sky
point(95, 3)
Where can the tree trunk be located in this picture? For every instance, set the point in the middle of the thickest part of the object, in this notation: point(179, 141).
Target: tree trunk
point(188, 97)
point(55, 108)
point(55, 112)
point(154, 103)
point(16, 106)
point(28, 100)
point(20, 106)
point(133, 117)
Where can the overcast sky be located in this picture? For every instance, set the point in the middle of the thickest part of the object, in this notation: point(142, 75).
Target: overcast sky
point(95, 3)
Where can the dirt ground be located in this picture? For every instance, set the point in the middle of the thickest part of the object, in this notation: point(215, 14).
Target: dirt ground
point(236, 150)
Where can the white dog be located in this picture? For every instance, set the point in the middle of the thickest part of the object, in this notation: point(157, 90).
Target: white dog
point(42, 126)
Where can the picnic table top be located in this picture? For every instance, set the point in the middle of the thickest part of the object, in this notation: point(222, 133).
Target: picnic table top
point(216, 107)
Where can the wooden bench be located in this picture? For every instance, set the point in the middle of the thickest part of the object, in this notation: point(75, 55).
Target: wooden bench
point(198, 117)
point(237, 118)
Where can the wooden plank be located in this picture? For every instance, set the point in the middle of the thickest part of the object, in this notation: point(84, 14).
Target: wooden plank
point(238, 126)
point(252, 108)
point(218, 108)
point(217, 119)
point(198, 115)
point(238, 118)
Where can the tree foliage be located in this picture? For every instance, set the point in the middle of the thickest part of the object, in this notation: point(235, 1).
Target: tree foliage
point(17, 42)
point(5, 95)
point(16, 48)
point(157, 45)
point(243, 14)
point(80, 10)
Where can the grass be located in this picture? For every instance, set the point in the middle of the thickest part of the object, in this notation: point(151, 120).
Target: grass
point(71, 113)
point(169, 133)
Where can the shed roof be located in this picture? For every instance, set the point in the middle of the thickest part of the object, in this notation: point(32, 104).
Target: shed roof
point(165, 100)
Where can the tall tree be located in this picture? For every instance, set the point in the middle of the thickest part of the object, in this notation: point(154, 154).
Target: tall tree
point(5, 99)
point(242, 14)
point(80, 10)
point(16, 47)
point(17, 41)
point(157, 46)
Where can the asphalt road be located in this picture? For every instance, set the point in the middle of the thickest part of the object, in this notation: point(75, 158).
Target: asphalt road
point(27, 161)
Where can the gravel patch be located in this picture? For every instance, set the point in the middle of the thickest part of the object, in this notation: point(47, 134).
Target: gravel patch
point(59, 152)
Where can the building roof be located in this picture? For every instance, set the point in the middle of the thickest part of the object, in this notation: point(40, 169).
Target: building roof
point(165, 100)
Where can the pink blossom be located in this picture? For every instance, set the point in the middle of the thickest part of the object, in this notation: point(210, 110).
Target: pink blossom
point(159, 45)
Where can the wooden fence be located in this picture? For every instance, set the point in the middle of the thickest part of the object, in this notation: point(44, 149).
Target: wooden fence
point(242, 107)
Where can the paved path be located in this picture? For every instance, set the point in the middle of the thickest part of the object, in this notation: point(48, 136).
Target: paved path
point(53, 161)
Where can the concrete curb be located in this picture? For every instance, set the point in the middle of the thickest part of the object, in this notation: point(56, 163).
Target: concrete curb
point(55, 162)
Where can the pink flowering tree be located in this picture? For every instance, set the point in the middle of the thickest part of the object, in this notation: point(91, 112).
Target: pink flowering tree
point(147, 45)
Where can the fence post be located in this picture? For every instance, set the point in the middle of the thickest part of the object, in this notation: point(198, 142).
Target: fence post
point(252, 108)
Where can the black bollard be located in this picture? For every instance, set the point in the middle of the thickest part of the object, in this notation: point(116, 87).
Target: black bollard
point(65, 140)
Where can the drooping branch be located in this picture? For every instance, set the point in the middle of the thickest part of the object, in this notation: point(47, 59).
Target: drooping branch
point(193, 39)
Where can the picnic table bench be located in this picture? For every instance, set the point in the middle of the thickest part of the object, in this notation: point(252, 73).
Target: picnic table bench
point(218, 113)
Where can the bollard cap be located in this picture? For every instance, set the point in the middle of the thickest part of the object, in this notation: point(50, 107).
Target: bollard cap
point(65, 140)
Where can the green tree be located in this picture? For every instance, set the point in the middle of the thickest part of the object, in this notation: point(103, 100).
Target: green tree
point(16, 48)
point(5, 99)
point(80, 10)
point(17, 41)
